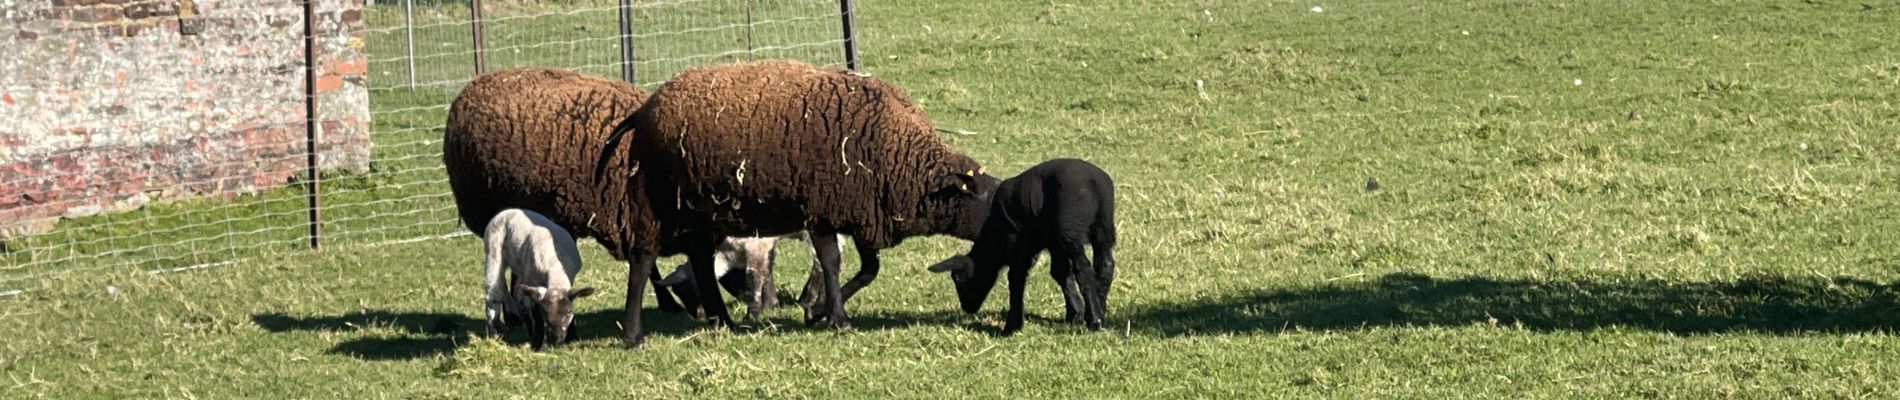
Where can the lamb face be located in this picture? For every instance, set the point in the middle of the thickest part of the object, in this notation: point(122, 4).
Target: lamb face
point(973, 284)
point(554, 307)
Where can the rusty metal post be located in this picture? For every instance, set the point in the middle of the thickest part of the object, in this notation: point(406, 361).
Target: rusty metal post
point(850, 39)
point(475, 26)
point(627, 71)
point(310, 122)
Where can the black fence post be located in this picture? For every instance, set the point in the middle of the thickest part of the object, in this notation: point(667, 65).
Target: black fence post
point(627, 71)
point(850, 39)
point(475, 27)
point(310, 121)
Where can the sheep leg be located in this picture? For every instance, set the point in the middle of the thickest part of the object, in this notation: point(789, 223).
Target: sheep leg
point(1102, 241)
point(1071, 300)
point(762, 281)
point(867, 269)
point(814, 287)
point(706, 283)
point(758, 268)
point(639, 268)
point(815, 305)
point(537, 328)
point(1073, 257)
point(1104, 274)
point(498, 296)
point(513, 314)
point(1018, 278)
point(827, 247)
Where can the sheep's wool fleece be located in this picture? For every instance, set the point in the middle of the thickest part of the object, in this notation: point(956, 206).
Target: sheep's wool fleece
point(772, 147)
point(535, 139)
point(537, 251)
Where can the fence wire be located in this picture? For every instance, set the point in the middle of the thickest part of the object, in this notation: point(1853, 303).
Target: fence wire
point(419, 55)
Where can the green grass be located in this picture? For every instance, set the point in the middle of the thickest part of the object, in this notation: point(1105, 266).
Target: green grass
point(1707, 215)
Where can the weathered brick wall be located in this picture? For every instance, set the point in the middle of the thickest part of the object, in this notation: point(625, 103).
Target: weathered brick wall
point(110, 104)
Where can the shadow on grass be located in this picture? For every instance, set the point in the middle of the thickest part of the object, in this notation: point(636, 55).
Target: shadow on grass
point(679, 324)
point(424, 334)
point(1765, 304)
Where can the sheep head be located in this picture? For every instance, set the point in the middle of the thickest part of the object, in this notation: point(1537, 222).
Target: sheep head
point(960, 201)
point(553, 307)
point(973, 282)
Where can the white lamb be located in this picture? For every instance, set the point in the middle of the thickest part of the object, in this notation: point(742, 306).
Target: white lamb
point(542, 263)
point(743, 266)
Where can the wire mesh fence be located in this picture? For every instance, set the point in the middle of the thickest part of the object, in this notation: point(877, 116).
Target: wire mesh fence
point(418, 54)
point(157, 133)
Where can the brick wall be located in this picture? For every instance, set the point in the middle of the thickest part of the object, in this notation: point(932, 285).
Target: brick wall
point(107, 105)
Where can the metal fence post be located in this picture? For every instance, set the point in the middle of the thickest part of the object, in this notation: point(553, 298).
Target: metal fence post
point(409, 28)
point(748, 31)
point(850, 39)
point(475, 26)
point(310, 121)
point(627, 70)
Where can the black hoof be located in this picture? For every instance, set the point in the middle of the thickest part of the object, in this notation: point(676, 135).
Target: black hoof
point(814, 314)
point(843, 326)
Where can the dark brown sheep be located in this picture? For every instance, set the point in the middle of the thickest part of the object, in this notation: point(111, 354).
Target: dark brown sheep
point(541, 139)
point(773, 147)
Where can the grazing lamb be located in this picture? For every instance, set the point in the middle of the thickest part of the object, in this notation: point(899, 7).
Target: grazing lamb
point(1061, 206)
point(774, 147)
point(542, 262)
point(752, 284)
point(545, 140)
point(541, 139)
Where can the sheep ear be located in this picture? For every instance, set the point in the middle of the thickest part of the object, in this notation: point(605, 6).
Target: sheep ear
point(531, 292)
point(959, 180)
point(579, 293)
point(957, 262)
point(678, 276)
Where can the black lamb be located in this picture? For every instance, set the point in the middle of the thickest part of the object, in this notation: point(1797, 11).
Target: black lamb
point(1060, 206)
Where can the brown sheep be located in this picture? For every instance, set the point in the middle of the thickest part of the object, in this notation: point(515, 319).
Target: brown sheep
point(541, 139)
point(774, 147)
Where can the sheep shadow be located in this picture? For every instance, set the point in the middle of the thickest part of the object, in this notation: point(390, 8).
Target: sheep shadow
point(787, 318)
point(420, 334)
point(1760, 304)
point(425, 334)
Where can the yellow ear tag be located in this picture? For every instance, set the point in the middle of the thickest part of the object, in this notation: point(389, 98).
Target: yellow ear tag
point(965, 187)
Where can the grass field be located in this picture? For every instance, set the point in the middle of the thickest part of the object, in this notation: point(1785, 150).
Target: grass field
point(1687, 199)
